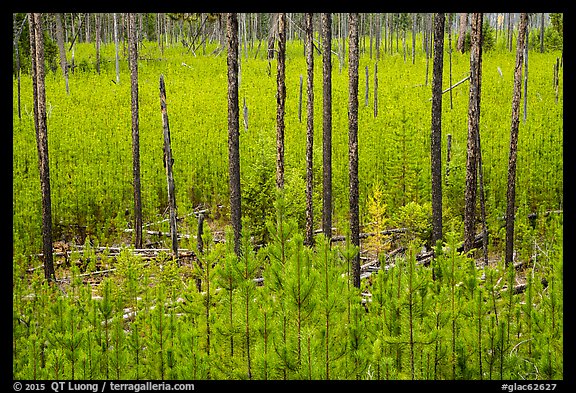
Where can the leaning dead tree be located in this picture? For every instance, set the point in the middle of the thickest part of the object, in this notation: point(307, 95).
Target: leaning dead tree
point(168, 161)
point(280, 100)
point(39, 94)
point(511, 193)
point(61, 50)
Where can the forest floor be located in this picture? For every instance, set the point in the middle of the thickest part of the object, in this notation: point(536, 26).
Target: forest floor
point(73, 251)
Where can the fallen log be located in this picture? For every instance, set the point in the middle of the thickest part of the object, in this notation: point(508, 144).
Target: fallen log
point(478, 241)
point(159, 233)
point(453, 86)
point(340, 238)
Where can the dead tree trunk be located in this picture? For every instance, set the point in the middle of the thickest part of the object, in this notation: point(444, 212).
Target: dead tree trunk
point(367, 88)
point(353, 144)
point(309, 128)
point(436, 137)
point(39, 93)
point(526, 76)
point(280, 100)
point(234, 129)
point(133, 57)
point(117, 59)
point(327, 124)
point(450, 57)
point(17, 33)
point(376, 89)
point(97, 40)
point(200, 246)
point(60, 40)
point(511, 192)
point(462, 32)
point(473, 129)
point(448, 156)
point(168, 161)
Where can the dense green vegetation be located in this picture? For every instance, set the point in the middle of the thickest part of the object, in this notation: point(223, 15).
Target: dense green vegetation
point(445, 320)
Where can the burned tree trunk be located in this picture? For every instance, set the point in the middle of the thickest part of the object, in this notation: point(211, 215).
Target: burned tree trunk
point(280, 100)
point(473, 129)
point(61, 50)
point(234, 129)
point(462, 32)
point(327, 124)
point(309, 128)
point(353, 144)
point(511, 192)
point(168, 161)
point(116, 57)
point(133, 57)
point(39, 93)
point(436, 137)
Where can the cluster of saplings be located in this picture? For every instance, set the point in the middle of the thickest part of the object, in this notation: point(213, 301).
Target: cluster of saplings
point(289, 311)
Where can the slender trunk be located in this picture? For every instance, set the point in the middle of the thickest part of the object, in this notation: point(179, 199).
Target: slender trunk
point(511, 193)
point(353, 143)
point(462, 32)
point(309, 128)
point(436, 137)
point(117, 59)
point(448, 156)
point(60, 40)
point(39, 93)
point(482, 201)
point(542, 33)
point(414, 17)
point(280, 100)
point(97, 18)
point(526, 76)
point(133, 56)
point(168, 161)
point(327, 124)
point(17, 55)
point(367, 88)
point(450, 57)
point(473, 129)
point(234, 129)
point(376, 89)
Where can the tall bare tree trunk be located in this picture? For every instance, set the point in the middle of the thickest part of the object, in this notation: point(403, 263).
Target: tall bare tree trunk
point(450, 56)
point(116, 49)
point(436, 137)
point(327, 124)
point(60, 40)
point(234, 129)
point(526, 75)
point(39, 93)
point(280, 100)
point(473, 129)
point(309, 28)
point(353, 144)
point(511, 193)
point(133, 56)
point(17, 32)
point(97, 39)
point(542, 32)
point(414, 17)
point(168, 161)
point(462, 32)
